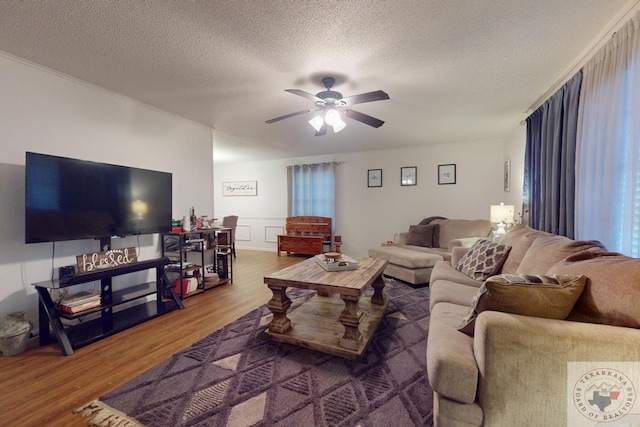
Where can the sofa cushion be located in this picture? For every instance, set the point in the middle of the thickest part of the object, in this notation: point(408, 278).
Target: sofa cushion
point(550, 297)
point(451, 365)
point(483, 259)
point(452, 292)
point(451, 229)
point(520, 241)
point(405, 257)
point(424, 235)
point(435, 251)
point(445, 271)
point(463, 242)
point(449, 413)
point(545, 251)
point(612, 292)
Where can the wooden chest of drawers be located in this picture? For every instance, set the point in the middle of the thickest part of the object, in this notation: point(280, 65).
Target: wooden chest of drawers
point(305, 235)
point(300, 244)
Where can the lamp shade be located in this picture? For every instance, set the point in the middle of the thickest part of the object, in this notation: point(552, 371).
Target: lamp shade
point(501, 213)
point(317, 123)
point(339, 125)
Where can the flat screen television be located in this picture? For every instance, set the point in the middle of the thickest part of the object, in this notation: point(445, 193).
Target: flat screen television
point(71, 199)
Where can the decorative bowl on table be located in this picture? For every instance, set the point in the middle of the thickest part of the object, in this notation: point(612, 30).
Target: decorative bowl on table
point(332, 256)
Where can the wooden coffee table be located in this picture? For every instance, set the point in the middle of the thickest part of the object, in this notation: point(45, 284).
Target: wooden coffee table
point(338, 320)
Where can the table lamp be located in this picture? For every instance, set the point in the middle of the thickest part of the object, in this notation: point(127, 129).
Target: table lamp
point(502, 215)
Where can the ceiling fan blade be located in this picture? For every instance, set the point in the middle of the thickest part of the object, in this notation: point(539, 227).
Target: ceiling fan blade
point(364, 118)
point(304, 94)
point(377, 95)
point(323, 129)
point(277, 119)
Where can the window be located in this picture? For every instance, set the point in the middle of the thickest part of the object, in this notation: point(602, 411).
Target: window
point(608, 145)
point(311, 190)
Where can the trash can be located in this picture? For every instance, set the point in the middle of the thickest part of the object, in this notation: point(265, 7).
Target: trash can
point(14, 334)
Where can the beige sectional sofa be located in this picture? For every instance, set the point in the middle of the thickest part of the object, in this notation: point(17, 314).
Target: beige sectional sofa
point(520, 370)
point(414, 253)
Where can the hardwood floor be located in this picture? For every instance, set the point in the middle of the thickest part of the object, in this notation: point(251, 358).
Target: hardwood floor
point(41, 387)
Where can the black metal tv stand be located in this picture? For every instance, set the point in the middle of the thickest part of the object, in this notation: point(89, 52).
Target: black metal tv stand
point(104, 321)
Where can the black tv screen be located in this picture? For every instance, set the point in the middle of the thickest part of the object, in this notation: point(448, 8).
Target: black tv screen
point(70, 199)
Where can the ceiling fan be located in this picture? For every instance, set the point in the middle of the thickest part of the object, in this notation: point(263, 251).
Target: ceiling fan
point(332, 106)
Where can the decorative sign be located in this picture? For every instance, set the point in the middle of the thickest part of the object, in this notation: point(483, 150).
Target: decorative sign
point(113, 258)
point(240, 188)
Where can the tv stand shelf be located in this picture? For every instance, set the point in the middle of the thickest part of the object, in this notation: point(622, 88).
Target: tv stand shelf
point(107, 321)
point(210, 251)
point(118, 297)
point(102, 273)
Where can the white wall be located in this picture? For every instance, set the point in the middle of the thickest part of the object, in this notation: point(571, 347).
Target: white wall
point(48, 113)
point(514, 148)
point(368, 216)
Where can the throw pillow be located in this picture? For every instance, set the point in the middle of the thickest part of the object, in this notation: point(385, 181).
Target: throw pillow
point(427, 236)
point(483, 259)
point(550, 297)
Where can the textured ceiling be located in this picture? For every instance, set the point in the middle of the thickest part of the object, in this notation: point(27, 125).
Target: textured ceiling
point(456, 70)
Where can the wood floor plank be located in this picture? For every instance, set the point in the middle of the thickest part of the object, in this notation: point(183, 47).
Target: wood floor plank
point(41, 387)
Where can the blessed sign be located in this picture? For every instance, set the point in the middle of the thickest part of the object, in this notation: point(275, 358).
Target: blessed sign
point(113, 258)
point(240, 188)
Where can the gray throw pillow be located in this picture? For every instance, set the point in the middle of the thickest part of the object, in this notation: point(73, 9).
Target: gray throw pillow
point(427, 236)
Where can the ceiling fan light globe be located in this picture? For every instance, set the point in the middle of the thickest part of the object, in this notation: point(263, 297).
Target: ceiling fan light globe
point(339, 125)
point(317, 123)
point(332, 117)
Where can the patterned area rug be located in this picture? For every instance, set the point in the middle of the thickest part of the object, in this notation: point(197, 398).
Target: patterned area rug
point(237, 377)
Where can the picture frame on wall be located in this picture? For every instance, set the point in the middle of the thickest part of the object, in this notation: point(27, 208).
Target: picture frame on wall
point(507, 175)
point(374, 178)
point(408, 176)
point(447, 174)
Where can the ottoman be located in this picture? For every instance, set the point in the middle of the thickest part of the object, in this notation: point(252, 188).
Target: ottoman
point(407, 265)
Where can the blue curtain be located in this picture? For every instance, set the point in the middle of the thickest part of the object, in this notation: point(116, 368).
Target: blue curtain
point(311, 190)
point(550, 154)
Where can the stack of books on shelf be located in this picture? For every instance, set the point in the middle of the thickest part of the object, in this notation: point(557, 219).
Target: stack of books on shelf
point(81, 301)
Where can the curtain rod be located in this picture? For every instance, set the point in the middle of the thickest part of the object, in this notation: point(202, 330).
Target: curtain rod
point(314, 164)
point(603, 37)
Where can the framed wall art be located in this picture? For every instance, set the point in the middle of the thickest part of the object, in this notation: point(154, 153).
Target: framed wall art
point(240, 188)
point(374, 178)
point(507, 175)
point(409, 175)
point(447, 174)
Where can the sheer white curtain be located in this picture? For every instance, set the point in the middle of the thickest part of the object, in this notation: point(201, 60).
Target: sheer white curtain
point(311, 190)
point(608, 144)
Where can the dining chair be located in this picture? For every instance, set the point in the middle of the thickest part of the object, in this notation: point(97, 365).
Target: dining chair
point(231, 222)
